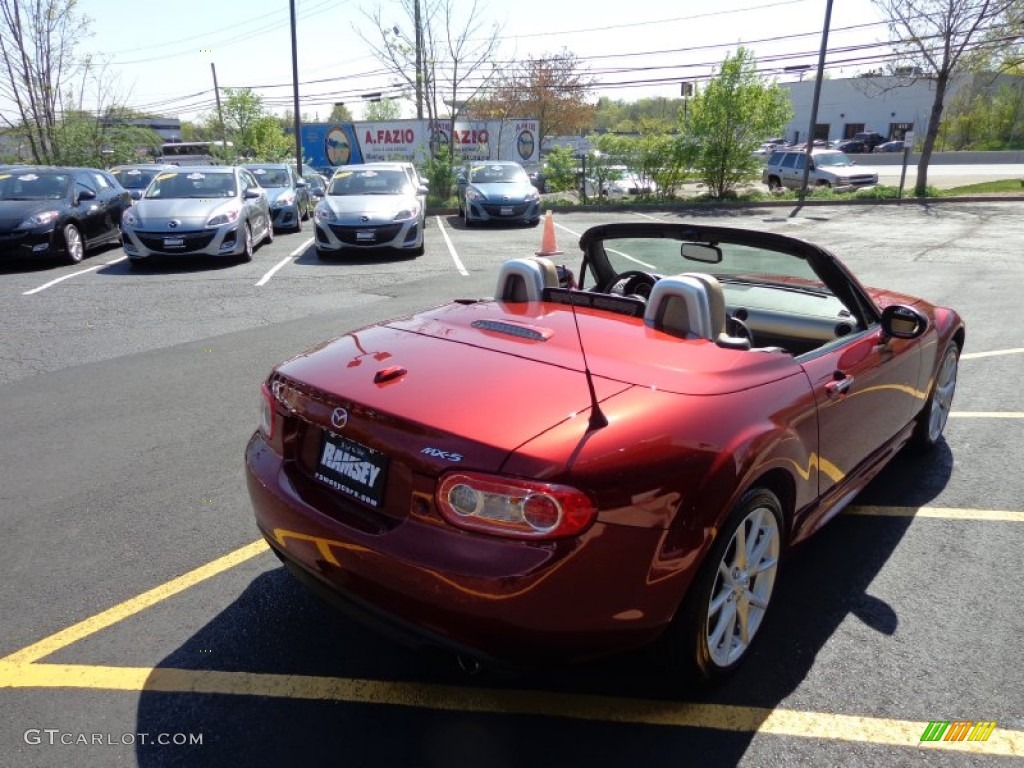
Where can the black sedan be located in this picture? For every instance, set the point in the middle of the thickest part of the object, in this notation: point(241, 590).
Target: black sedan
point(63, 212)
point(853, 146)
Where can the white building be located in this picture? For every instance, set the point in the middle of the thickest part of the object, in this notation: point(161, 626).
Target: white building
point(886, 104)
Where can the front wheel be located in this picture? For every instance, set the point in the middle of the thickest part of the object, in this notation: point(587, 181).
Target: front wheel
point(74, 247)
point(248, 250)
point(774, 184)
point(729, 600)
point(931, 422)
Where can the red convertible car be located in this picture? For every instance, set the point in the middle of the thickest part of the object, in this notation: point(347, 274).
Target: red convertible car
point(569, 470)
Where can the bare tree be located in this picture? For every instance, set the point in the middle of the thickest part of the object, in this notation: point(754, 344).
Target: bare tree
point(37, 46)
point(945, 38)
point(446, 60)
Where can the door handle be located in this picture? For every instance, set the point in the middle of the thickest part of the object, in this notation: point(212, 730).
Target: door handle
point(839, 387)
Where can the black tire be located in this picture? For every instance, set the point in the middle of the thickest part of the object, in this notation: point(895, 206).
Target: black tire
point(465, 218)
point(298, 221)
point(74, 245)
point(774, 184)
point(689, 646)
point(931, 421)
point(269, 237)
point(249, 248)
point(322, 255)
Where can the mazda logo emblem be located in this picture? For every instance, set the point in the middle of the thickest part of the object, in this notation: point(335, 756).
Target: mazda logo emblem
point(339, 418)
point(364, 218)
point(173, 223)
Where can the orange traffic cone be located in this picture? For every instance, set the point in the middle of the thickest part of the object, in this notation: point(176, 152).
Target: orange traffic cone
point(547, 242)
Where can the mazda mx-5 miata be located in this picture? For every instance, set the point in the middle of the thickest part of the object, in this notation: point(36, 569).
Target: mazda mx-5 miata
point(568, 470)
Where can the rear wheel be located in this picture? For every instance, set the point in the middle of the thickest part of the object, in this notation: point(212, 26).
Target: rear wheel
point(931, 422)
point(74, 246)
point(774, 184)
point(729, 600)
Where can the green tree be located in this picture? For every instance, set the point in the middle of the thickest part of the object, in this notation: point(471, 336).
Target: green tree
point(728, 120)
point(340, 114)
point(255, 133)
point(383, 110)
point(560, 170)
point(82, 138)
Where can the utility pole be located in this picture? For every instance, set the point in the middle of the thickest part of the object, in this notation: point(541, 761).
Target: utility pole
point(295, 92)
point(220, 112)
point(817, 96)
point(419, 60)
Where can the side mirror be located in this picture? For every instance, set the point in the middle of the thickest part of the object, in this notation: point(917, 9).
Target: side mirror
point(86, 194)
point(900, 321)
point(301, 183)
point(253, 192)
point(422, 190)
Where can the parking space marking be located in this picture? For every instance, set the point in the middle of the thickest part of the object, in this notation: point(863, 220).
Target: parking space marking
point(572, 232)
point(945, 513)
point(72, 274)
point(451, 248)
point(273, 270)
point(23, 669)
point(993, 353)
point(612, 709)
point(130, 607)
point(62, 278)
point(986, 414)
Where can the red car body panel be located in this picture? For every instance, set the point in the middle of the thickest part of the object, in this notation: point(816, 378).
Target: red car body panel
point(501, 387)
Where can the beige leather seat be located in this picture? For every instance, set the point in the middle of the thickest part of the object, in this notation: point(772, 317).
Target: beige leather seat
point(679, 305)
point(716, 303)
point(525, 279)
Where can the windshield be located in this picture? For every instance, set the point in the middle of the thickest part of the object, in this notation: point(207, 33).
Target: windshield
point(191, 184)
point(134, 178)
point(839, 158)
point(32, 185)
point(370, 182)
point(272, 177)
point(740, 264)
point(498, 174)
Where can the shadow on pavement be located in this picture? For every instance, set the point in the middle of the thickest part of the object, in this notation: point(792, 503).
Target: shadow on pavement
point(276, 628)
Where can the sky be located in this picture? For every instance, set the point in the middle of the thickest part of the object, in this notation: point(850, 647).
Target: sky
point(158, 58)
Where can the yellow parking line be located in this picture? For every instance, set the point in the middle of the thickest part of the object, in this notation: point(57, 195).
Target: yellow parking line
point(122, 611)
point(612, 709)
point(986, 414)
point(948, 513)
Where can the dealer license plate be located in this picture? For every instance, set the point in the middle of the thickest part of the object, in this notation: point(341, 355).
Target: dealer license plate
point(366, 234)
point(353, 469)
point(174, 242)
point(506, 210)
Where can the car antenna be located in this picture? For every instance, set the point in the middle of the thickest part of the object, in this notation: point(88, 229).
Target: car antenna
point(597, 417)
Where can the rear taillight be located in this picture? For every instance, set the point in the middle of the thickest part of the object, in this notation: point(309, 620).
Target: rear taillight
point(520, 509)
point(266, 412)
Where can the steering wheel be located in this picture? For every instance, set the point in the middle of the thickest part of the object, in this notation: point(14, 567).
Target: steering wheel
point(633, 282)
point(734, 326)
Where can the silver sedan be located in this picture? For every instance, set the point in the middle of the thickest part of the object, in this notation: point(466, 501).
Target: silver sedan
point(198, 211)
point(368, 208)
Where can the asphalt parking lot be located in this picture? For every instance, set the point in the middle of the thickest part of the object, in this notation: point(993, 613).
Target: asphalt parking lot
point(144, 624)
